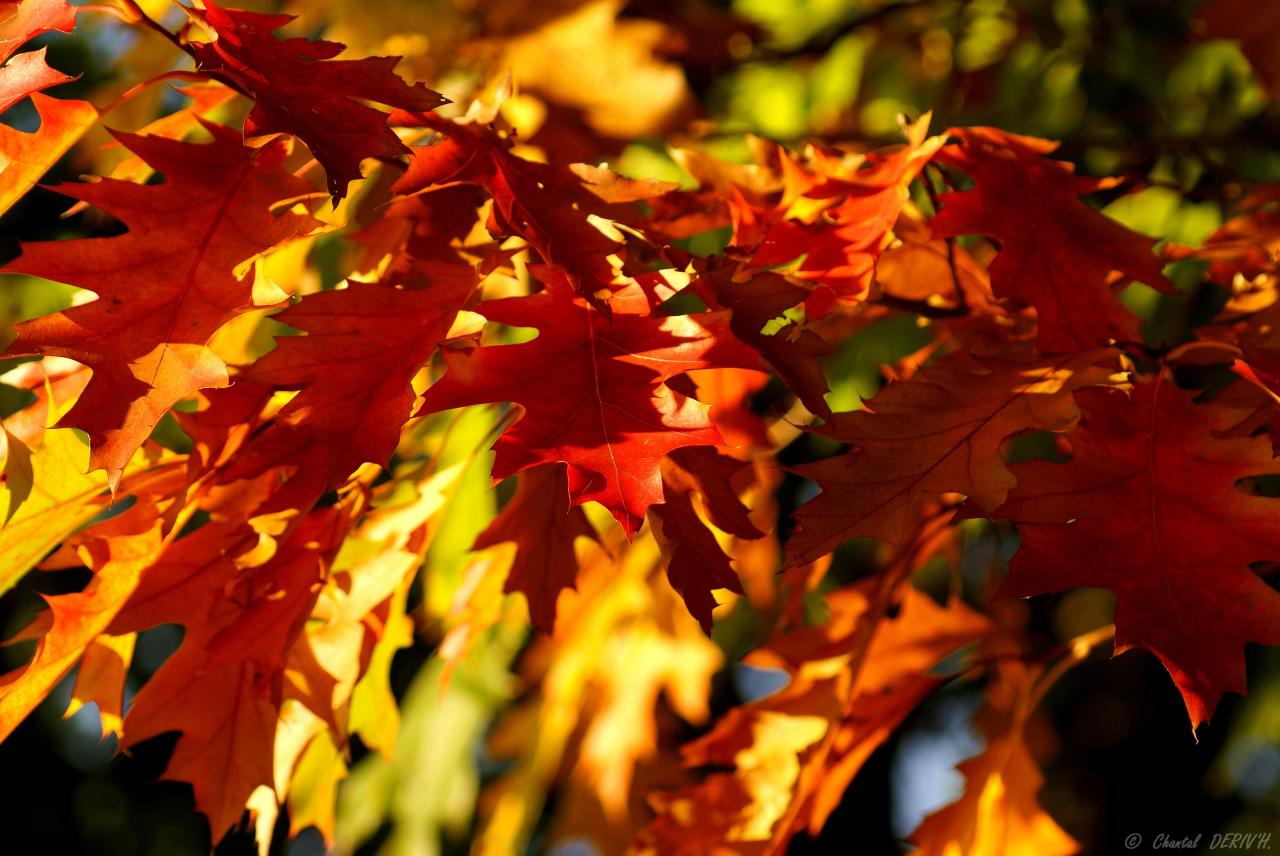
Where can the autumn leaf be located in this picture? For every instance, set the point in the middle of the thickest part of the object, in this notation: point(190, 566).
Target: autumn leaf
point(696, 564)
point(19, 23)
point(427, 236)
point(834, 215)
point(635, 90)
point(794, 752)
point(1056, 253)
point(592, 389)
point(24, 74)
point(359, 621)
point(44, 491)
point(100, 680)
point(549, 207)
point(791, 350)
point(998, 815)
point(1242, 252)
point(940, 432)
point(37, 520)
point(543, 524)
point(353, 368)
point(939, 274)
point(281, 74)
point(623, 648)
point(222, 688)
point(1142, 509)
point(666, 332)
point(119, 556)
point(25, 157)
point(145, 336)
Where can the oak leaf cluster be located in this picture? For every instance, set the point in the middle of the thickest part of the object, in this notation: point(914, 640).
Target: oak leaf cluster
point(548, 327)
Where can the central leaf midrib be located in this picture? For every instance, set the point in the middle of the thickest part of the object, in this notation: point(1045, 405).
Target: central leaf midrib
point(202, 247)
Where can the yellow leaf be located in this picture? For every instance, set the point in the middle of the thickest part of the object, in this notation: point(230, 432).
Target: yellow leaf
point(62, 498)
point(100, 680)
point(998, 815)
point(633, 93)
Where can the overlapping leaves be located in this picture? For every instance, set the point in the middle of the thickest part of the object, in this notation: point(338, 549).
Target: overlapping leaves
point(554, 314)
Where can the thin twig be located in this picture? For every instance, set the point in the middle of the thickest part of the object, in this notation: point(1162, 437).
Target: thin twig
point(923, 307)
point(961, 301)
point(1077, 649)
point(147, 20)
point(172, 38)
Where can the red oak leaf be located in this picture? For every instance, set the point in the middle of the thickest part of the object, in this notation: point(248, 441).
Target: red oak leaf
point(301, 90)
point(789, 349)
point(937, 273)
point(717, 478)
point(101, 678)
point(543, 523)
point(363, 346)
point(1056, 253)
point(20, 22)
point(939, 432)
point(1247, 245)
point(548, 206)
point(165, 286)
point(424, 236)
point(1150, 506)
point(999, 812)
point(593, 390)
point(695, 562)
point(1263, 371)
point(27, 157)
point(223, 687)
point(24, 74)
point(24, 157)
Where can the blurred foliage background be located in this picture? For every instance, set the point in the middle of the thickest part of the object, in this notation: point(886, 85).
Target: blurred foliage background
point(1170, 96)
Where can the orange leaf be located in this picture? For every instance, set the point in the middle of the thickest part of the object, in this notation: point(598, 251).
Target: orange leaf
point(165, 286)
point(120, 552)
point(544, 524)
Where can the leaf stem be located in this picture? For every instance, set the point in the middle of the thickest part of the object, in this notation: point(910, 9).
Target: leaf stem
point(962, 303)
point(1077, 650)
point(146, 20)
